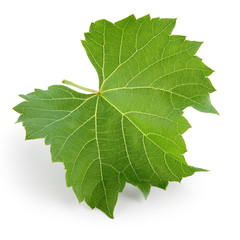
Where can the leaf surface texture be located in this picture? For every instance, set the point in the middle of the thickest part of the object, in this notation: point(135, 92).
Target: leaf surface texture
point(131, 131)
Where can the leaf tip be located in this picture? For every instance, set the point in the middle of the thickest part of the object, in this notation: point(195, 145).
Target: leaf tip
point(196, 169)
point(109, 213)
point(14, 108)
point(110, 216)
point(145, 196)
point(132, 16)
point(145, 189)
point(214, 111)
point(217, 113)
point(174, 20)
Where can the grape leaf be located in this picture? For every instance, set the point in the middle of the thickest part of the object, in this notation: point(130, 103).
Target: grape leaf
point(131, 129)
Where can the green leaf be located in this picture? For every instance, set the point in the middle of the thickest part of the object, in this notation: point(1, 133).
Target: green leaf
point(131, 129)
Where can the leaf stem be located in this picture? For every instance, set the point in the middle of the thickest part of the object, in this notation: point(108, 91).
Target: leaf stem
point(80, 87)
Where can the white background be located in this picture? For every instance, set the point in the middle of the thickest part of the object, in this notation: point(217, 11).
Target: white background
point(40, 46)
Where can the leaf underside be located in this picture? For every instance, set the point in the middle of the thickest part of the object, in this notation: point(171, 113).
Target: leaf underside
point(131, 131)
